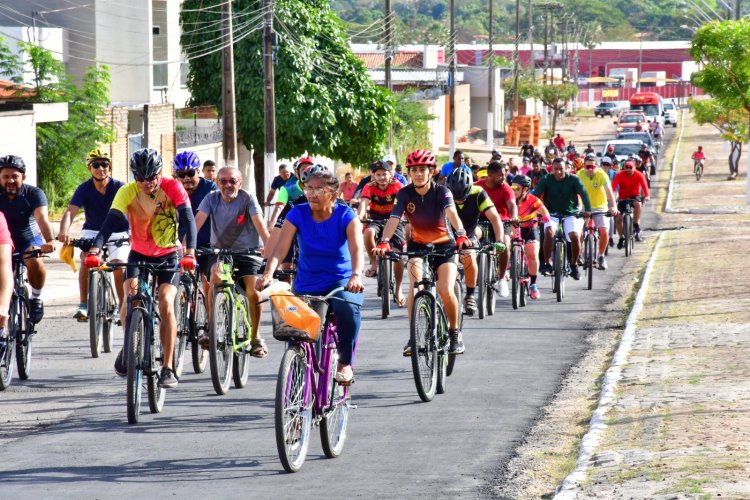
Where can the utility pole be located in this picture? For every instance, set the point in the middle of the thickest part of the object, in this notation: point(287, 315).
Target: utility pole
point(269, 97)
point(516, 56)
point(532, 63)
point(388, 61)
point(452, 80)
point(491, 83)
point(737, 14)
point(229, 143)
point(546, 48)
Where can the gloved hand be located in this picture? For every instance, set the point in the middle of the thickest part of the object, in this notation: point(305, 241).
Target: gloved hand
point(92, 260)
point(545, 219)
point(384, 245)
point(463, 242)
point(188, 262)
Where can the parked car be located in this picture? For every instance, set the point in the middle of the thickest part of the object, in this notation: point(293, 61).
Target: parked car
point(623, 148)
point(670, 113)
point(627, 121)
point(644, 137)
point(606, 108)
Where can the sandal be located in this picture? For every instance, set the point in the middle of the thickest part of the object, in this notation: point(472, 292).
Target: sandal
point(371, 273)
point(400, 301)
point(344, 379)
point(258, 348)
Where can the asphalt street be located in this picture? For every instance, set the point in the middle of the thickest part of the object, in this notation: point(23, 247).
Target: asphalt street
point(65, 433)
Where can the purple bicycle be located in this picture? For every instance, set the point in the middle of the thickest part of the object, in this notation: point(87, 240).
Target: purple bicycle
point(307, 393)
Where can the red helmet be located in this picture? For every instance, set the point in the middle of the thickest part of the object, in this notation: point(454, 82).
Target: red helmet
point(305, 159)
point(420, 157)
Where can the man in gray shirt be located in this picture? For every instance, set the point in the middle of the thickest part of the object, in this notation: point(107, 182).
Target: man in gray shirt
point(237, 224)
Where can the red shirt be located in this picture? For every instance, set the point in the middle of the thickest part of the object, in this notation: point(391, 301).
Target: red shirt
point(559, 141)
point(527, 210)
point(499, 196)
point(381, 201)
point(630, 185)
point(699, 155)
point(5, 238)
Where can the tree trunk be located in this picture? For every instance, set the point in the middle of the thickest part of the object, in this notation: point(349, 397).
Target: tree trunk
point(555, 112)
point(734, 158)
point(260, 181)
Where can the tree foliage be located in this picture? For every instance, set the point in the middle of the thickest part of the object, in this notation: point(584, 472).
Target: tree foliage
point(325, 102)
point(555, 96)
point(410, 130)
point(732, 124)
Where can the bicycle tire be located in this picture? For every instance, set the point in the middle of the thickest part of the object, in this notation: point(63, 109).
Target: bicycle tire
point(458, 290)
point(590, 257)
point(199, 327)
point(559, 273)
point(444, 358)
point(525, 280)
point(8, 354)
point(241, 361)
point(292, 415)
point(220, 345)
point(135, 364)
point(182, 316)
point(335, 419)
point(156, 394)
point(515, 276)
point(490, 283)
point(96, 330)
point(423, 350)
point(109, 318)
point(698, 172)
point(481, 283)
point(384, 285)
point(24, 335)
point(627, 229)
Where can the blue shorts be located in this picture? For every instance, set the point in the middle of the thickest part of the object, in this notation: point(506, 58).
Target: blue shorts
point(25, 245)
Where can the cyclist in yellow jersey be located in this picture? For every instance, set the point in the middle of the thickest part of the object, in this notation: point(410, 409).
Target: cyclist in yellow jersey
point(597, 185)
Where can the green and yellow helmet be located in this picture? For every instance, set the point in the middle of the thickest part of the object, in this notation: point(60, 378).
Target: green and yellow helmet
point(97, 154)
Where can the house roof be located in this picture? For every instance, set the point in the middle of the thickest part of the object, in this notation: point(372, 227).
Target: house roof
point(402, 76)
point(9, 91)
point(400, 59)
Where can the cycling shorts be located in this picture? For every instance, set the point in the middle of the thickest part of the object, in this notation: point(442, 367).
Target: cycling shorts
point(437, 260)
point(170, 261)
point(113, 251)
point(571, 224)
point(244, 265)
point(398, 238)
point(600, 220)
point(622, 204)
point(530, 234)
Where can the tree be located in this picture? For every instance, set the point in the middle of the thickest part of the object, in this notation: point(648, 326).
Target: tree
point(62, 146)
point(410, 130)
point(555, 96)
point(732, 124)
point(723, 49)
point(326, 104)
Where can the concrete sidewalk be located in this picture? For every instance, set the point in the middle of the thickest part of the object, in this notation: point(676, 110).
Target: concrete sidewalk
point(679, 424)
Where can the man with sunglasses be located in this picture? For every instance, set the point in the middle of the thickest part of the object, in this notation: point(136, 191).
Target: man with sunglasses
point(95, 196)
point(630, 183)
point(597, 185)
point(154, 206)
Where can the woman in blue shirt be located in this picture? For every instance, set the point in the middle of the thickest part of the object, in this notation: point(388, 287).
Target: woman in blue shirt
point(331, 255)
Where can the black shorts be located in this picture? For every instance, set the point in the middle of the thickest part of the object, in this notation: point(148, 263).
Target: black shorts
point(530, 234)
point(437, 260)
point(244, 265)
point(169, 261)
point(204, 265)
point(398, 238)
point(622, 204)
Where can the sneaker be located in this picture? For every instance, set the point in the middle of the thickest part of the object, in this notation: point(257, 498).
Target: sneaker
point(602, 262)
point(504, 292)
point(120, 368)
point(457, 344)
point(407, 350)
point(36, 310)
point(638, 236)
point(620, 243)
point(82, 314)
point(203, 341)
point(611, 242)
point(575, 273)
point(167, 379)
point(545, 269)
point(534, 292)
point(470, 305)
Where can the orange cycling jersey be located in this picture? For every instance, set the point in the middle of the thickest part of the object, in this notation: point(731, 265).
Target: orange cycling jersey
point(527, 210)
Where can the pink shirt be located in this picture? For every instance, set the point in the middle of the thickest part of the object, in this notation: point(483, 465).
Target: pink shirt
point(5, 238)
point(347, 190)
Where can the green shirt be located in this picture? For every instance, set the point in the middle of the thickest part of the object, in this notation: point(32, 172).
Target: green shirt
point(561, 197)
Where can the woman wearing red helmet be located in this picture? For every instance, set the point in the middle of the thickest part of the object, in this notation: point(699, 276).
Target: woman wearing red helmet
point(426, 205)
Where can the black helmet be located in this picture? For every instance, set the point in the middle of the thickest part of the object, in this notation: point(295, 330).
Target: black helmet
point(459, 182)
point(380, 165)
point(13, 161)
point(145, 163)
point(522, 180)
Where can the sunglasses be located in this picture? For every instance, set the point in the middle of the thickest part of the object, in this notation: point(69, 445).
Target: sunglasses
point(629, 168)
point(228, 182)
point(99, 165)
point(186, 173)
point(316, 191)
point(590, 167)
point(146, 179)
point(516, 187)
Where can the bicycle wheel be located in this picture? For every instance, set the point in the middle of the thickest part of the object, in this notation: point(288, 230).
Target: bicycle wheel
point(24, 334)
point(627, 233)
point(490, 282)
point(589, 258)
point(481, 283)
point(8, 347)
point(443, 357)
point(423, 349)
point(524, 280)
point(293, 412)
point(156, 394)
point(458, 290)
point(220, 343)
point(698, 172)
point(198, 327)
point(96, 327)
point(384, 282)
point(182, 316)
point(241, 361)
point(335, 419)
point(134, 351)
point(559, 274)
point(515, 276)
point(111, 312)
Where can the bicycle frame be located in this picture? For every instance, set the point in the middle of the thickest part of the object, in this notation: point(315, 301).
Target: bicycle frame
point(144, 298)
point(227, 286)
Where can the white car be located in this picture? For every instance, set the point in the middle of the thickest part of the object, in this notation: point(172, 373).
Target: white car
point(623, 148)
point(670, 113)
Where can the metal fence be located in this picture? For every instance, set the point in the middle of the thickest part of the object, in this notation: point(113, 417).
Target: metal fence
point(195, 136)
point(592, 96)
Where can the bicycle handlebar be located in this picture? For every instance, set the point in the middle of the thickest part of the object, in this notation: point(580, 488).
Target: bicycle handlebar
point(229, 252)
point(30, 254)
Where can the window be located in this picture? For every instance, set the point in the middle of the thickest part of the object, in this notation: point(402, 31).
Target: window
point(184, 70)
point(161, 75)
point(156, 30)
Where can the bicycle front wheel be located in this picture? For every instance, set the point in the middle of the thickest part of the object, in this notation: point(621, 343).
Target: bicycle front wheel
point(182, 315)
point(220, 343)
point(198, 327)
point(490, 282)
point(8, 347)
point(590, 256)
point(423, 348)
point(335, 420)
point(515, 276)
point(156, 394)
point(559, 274)
point(293, 412)
point(481, 283)
point(384, 285)
point(96, 311)
point(241, 361)
point(443, 357)
point(24, 335)
point(111, 311)
point(627, 230)
point(135, 364)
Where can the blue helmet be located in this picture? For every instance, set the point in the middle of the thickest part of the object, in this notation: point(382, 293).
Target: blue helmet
point(187, 160)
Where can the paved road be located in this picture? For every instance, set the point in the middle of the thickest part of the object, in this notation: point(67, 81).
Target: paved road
point(398, 446)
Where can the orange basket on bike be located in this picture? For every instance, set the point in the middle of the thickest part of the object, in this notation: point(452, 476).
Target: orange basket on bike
point(293, 318)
